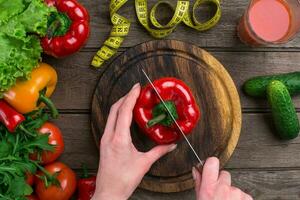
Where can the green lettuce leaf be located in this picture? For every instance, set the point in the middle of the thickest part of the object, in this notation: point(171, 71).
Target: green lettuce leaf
point(22, 22)
point(9, 9)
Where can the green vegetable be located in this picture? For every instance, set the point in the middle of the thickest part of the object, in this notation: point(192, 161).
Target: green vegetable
point(160, 114)
point(257, 87)
point(283, 110)
point(21, 24)
point(14, 156)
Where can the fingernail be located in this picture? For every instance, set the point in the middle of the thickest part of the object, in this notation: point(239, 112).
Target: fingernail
point(136, 85)
point(199, 167)
point(194, 173)
point(173, 147)
point(213, 161)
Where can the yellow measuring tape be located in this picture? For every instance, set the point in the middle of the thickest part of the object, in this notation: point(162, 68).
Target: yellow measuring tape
point(121, 25)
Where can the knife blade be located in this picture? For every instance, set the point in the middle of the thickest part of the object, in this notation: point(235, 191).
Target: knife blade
point(172, 117)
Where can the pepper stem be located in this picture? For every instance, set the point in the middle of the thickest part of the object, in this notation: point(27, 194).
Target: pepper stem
point(156, 120)
point(161, 115)
point(50, 105)
point(52, 28)
point(84, 171)
point(58, 24)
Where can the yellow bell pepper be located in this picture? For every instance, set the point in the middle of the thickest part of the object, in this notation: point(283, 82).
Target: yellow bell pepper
point(29, 95)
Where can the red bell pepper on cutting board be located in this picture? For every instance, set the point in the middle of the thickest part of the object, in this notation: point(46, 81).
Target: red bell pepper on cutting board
point(68, 30)
point(152, 117)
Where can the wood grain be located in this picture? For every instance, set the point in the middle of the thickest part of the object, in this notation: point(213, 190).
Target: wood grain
point(258, 147)
point(223, 35)
point(268, 169)
point(218, 131)
point(262, 185)
point(77, 80)
point(261, 165)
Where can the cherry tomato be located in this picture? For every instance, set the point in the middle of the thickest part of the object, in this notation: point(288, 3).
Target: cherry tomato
point(29, 178)
point(66, 178)
point(32, 197)
point(55, 138)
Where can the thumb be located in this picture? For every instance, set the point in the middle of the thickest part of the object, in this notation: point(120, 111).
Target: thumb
point(159, 151)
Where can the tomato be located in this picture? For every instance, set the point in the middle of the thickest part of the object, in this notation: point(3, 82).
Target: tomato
point(55, 138)
point(32, 197)
point(29, 178)
point(66, 178)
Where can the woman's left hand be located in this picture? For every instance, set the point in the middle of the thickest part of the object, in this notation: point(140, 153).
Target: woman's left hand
point(122, 166)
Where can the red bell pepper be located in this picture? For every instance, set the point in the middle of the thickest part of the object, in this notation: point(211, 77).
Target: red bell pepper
point(11, 118)
point(68, 30)
point(152, 117)
point(86, 186)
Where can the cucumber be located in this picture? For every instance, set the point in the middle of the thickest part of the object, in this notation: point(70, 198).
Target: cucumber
point(257, 87)
point(283, 110)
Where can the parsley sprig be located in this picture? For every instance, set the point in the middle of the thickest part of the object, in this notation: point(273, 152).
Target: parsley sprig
point(15, 150)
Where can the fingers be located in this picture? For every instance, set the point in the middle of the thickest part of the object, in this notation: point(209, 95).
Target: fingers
point(225, 178)
point(247, 197)
point(158, 151)
point(238, 194)
point(111, 121)
point(125, 111)
point(197, 178)
point(210, 173)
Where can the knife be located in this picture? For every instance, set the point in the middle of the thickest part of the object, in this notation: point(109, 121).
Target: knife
point(173, 118)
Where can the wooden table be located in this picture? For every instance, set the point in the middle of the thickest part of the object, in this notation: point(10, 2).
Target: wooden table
point(262, 165)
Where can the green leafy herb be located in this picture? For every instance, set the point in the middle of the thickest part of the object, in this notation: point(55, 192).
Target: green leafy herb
point(15, 150)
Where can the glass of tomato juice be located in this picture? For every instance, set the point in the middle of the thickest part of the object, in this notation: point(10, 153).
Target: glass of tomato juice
point(268, 22)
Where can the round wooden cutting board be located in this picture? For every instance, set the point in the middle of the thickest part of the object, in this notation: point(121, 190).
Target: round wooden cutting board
point(218, 130)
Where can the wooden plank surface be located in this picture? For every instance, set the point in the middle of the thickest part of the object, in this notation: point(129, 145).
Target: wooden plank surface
point(262, 185)
point(258, 146)
point(77, 80)
point(223, 35)
point(262, 165)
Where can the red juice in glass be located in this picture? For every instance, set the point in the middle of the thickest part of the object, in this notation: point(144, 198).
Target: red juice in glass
point(269, 22)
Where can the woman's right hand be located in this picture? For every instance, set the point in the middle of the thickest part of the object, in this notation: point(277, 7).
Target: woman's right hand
point(215, 185)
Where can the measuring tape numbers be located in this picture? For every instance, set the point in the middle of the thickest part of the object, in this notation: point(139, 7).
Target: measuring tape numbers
point(121, 25)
